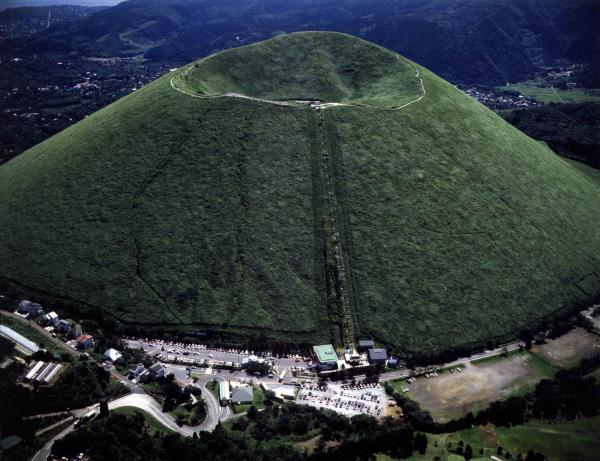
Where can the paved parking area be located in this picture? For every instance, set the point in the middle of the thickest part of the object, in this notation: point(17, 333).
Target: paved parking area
point(345, 399)
point(199, 355)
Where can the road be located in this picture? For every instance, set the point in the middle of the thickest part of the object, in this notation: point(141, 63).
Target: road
point(403, 374)
point(137, 398)
point(43, 454)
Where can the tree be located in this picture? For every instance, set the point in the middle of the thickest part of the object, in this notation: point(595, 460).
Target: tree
point(420, 443)
point(252, 413)
point(6, 347)
point(468, 452)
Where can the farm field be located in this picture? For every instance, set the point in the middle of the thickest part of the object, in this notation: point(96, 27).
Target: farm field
point(534, 89)
point(569, 349)
point(167, 212)
point(451, 395)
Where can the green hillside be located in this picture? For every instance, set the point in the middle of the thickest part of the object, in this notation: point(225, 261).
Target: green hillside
point(328, 67)
point(430, 226)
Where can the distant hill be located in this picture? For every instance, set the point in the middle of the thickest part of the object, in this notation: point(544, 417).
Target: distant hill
point(212, 200)
point(483, 41)
point(5, 4)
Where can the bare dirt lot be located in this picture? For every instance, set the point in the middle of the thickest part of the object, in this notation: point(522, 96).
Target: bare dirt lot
point(569, 349)
point(453, 394)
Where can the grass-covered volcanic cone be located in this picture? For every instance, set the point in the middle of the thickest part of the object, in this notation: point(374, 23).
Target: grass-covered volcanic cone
point(403, 209)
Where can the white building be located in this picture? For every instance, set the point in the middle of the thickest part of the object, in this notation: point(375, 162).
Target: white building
point(113, 355)
point(24, 345)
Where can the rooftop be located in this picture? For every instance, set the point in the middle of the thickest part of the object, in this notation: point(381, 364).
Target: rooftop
point(243, 394)
point(325, 353)
point(19, 339)
point(377, 354)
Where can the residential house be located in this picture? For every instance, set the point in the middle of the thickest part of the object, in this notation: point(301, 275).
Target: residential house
point(136, 371)
point(63, 326)
point(31, 309)
point(50, 318)
point(157, 370)
point(75, 331)
point(112, 354)
point(84, 341)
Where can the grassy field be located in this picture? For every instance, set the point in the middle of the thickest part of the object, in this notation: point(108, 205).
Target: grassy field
point(547, 94)
point(569, 349)
point(576, 441)
point(167, 211)
point(151, 425)
point(458, 229)
point(452, 395)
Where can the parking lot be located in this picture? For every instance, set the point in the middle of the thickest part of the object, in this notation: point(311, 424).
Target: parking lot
point(345, 399)
point(199, 355)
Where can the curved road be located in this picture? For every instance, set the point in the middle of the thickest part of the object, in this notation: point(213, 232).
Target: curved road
point(214, 413)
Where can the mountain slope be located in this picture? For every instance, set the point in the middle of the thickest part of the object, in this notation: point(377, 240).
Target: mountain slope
point(481, 41)
point(407, 212)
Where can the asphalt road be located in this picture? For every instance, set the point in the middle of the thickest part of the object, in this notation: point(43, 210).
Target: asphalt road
point(403, 374)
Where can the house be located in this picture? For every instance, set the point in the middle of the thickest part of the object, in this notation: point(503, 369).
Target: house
point(224, 392)
point(112, 354)
point(392, 362)
point(22, 344)
point(50, 318)
point(365, 344)
point(62, 326)
point(242, 394)
point(75, 331)
point(137, 370)
point(84, 341)
point(31, 309)
point(157, 370)
point(377, 356)
point(326, 356)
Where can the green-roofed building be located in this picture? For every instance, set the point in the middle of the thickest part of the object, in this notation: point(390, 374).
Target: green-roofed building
point(326, 356)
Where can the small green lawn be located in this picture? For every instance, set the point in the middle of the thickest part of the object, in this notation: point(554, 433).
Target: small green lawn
point(213, 387)
point(151, 424)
